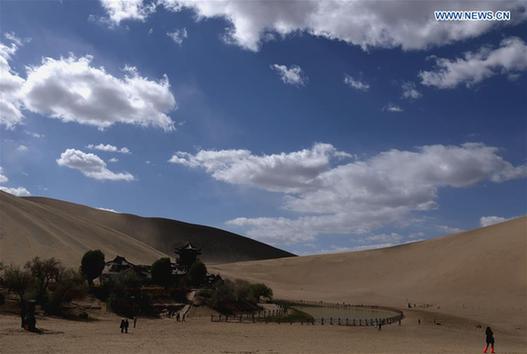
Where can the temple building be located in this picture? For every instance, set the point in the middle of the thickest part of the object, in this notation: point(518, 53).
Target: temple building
point(187, 255)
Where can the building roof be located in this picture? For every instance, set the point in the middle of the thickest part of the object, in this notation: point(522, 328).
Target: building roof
point(188, 247)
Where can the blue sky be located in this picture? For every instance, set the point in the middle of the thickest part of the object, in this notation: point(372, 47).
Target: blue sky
point(377, 127)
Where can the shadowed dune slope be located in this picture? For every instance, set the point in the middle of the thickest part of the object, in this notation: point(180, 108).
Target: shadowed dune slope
point(479, 274)
point(29, 229)
point(218, 246)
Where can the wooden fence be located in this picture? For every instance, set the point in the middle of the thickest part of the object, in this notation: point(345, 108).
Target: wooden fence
point(279, 316)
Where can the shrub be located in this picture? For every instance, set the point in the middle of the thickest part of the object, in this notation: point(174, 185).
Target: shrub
point(43, 272)
point(197, 274)
point(162, 272)
point(69, 285)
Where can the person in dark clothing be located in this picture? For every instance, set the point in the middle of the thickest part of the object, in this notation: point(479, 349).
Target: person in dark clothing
point(126, 324)
point(122, 325)
point(489, 339)
point(177, 316)
point(135, 321)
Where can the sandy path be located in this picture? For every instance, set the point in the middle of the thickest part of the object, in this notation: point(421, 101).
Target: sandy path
point(199, 335)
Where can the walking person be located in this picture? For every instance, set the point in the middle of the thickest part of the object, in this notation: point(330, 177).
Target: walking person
point(135, 321)
point(122, 325)
point(489, 339)
point(126, 324)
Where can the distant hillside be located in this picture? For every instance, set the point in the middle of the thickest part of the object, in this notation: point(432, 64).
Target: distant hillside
point(164, 235)
point(29, 229)
point(479, 274)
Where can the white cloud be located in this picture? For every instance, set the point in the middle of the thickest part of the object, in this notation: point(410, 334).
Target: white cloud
point(72, 90)
point(365, 23)
point(285, 172)
point(120, 10)
point(491, 220)
point(356, 84)
point(109, 148)
point(410, 91)
point(12, 37)
point(392, 108)
point(334, 196)
point(113, 160)
point(108, 209)
point(291, 75)
point(509, 58)
point(10, 86)
point(178, 36)
point(91, 166)
point(22, 148)
point(18, 191)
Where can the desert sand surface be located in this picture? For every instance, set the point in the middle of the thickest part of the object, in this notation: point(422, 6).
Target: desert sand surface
point(219, 246)
point(28, 229)
point(46, 227)
point(479, 275)
point(199, 335)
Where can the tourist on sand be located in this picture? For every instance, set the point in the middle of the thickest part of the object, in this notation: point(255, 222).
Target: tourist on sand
point(126, 324)
point(122, 325)
point(135, 320)
point(177, 316)
point(489, 339)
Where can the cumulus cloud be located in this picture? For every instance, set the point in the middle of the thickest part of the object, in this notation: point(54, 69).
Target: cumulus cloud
point(291, 75)
point(109, 148)
point(356, 84)
point(509, 58)
point(91, 166)
point(491, 220)
point(410, 91)
point(22, 148)
point(365, 23)
point(120, 10)
point(18, 191)
point(332, 195)
point(10, 86)
point(178, 36)
point(72, 90)
point(285, 172)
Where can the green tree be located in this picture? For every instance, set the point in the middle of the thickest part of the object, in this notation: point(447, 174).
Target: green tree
point(43, 272)
point(92, 265)
point(17, 281)
point(20, 282)
point(197, 274)
point(258, 291)
point(162, 272)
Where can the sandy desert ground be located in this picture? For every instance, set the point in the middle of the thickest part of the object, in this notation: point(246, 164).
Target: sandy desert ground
point(480, 275)
point(199, 335)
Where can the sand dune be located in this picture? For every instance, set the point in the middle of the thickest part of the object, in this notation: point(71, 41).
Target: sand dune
point(28, 229)
point(480, 275)
point(47, 227)
point(165, 234)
